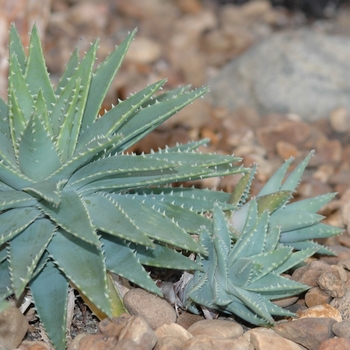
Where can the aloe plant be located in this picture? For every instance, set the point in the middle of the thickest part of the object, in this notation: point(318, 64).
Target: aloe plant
point(248, 249)
point(74, 204)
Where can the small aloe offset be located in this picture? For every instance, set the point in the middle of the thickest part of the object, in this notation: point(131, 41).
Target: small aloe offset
point(74, 204)
point(248, 249)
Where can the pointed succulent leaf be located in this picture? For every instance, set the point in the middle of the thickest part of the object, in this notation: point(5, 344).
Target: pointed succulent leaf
point(64, 137)
point(316, 231)
point(293, 179)
point(118, 115)
point(77, 109)
point(134, 180)
point(240, 272)
point(222, 244)
point(17, 121)
point(69, 71)
point(109, 216)
point(122, 260)
point(40, 109)
point(36, 74)
point(162, 256)
point(197, 200)
point(320, 249)
point(4, 127)
point(294, 259)
point(102, 80)
point(270, 261)
point(5, 280)
point(156, 225)
point(49, 190)
point(117, 304)
point(16, 47)
point(37, 157)
point(274, 183)
point(194, 158)
point(313, 204)
point(237, 307)
point(273, 286)
point(119, 166)
point(83, 74)
point(82, 157)
point(251, 242)
point(253, 301)
point(165, 96)
point(147, 119)
point(3, 253)
point(273, 201)
point(50, 291)
point(15, 221)
point(20, 89)
point(73, 216)
point(83, 264)
point(202, 292)
point(187, 147)
point(243, 219)
point(186, 219)
point(26, 250)
point(15, 199)
point(41, 264)
point(241, 190)
point(271, 239)
point(290, 220)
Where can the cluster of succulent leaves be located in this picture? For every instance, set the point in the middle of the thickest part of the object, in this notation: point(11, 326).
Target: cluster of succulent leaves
point(270, 237)
point(75, 206)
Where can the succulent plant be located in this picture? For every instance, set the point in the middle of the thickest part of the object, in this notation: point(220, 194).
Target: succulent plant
point(74, 204)
point(250, 247)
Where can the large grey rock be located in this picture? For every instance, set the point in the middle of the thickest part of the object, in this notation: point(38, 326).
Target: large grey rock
point(303, 72)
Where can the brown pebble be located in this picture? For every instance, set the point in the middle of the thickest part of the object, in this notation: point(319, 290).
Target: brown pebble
point(335, 344)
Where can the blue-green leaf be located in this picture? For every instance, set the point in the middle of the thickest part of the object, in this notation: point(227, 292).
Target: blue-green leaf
point(108, 216)
point(36, 74)
point(26, 250)
point(37, 157)
point(73, 216)
point(102, 80)
point(83, 264)
point(156, 225)
point(16, 220)
point(15, 199)
point(50, 291)
point(123, 261)
point(16, 48)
